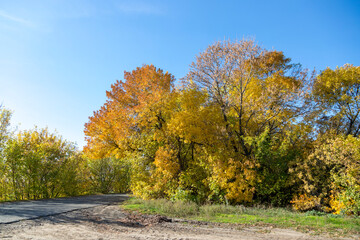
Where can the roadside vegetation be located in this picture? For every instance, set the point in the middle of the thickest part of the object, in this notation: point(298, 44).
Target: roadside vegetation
point(245, 126)
point(312, 221)
point(37, 164)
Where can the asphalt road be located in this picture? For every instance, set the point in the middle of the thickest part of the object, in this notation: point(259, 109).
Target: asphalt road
point(16, 211)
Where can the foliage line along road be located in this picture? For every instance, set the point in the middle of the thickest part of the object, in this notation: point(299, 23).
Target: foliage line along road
point(16, 211)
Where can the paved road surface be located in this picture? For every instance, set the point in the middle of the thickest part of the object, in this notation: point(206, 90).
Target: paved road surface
point(16, 211)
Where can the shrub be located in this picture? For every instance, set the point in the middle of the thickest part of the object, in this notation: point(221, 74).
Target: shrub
point(305, 203)
point(346, 200)
point(331, 175)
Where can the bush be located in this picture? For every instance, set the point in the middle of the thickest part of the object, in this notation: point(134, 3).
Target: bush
point(305, 203)
point(331, 176)
point(346, 200)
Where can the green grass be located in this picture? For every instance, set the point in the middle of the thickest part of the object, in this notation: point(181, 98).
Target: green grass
point(314, 222)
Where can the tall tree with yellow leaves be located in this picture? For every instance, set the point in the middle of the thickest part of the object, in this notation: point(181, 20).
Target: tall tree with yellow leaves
point(254, 89)
point(337, 93)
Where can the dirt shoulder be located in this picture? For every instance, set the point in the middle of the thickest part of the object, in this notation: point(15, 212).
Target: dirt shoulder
point(110, 222)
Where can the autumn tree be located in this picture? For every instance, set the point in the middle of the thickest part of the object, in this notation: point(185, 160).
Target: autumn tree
point(158, 129)
point(254, 89)
point(192, 126)
point(126, 116)
point(125, 126)
point(337, 94)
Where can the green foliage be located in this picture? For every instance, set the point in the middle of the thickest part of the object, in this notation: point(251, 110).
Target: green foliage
point(274, 154)
point(39, 164)
point(315, 213)
point(252, 89)
point(5, 116)
point(5, 135)
point(347, 194)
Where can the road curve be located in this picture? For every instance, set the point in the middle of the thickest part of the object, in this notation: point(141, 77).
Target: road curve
point(11, 212)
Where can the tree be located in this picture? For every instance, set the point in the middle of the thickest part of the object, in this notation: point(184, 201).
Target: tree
point(337, 94)
point(133, 108)
point(130, 123)
point(109, 175)
point(254, 89)
point(191, 128)
point(156, 128)
point(5, 116)
point(5, 134)
point(40, 164)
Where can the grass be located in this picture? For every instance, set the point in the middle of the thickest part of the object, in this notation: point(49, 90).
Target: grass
point(313, 222)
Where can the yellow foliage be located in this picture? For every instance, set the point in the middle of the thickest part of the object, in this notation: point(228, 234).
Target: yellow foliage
point(336, 205)
point(236, 178)
point(337, 93)
point(305, 202)
point(166, 163)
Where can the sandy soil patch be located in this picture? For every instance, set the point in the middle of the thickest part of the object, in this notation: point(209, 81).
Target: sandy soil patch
point(110, 222)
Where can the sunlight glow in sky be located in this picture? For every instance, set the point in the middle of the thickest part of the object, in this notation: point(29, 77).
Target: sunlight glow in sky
point(58, 57)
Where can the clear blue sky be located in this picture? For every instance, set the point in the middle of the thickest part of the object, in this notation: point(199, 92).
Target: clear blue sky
point(57, 58)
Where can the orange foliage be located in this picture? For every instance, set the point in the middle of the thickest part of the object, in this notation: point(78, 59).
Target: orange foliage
point(127, 112)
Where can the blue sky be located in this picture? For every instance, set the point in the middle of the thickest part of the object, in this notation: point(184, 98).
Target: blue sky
point(58, 57)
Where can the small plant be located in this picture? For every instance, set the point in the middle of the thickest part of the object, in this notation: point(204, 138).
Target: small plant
point(314, 213)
